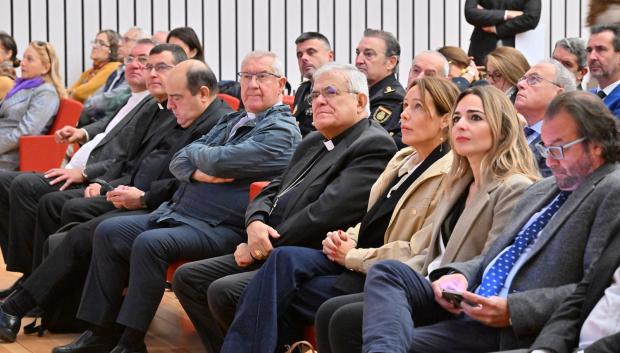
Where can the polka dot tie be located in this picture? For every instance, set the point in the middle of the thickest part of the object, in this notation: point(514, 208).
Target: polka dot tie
point(496, 276)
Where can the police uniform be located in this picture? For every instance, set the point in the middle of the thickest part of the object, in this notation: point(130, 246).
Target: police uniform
point(386, 104)
point(302, 108)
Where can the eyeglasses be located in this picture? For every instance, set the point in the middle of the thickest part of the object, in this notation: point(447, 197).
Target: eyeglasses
point(99, 43)
point(495, 75)
point(140, 59)
point(127, 39)
point(158, 67)
point(329, 92)
point(556, 152)
point(261, 77)
point(43, 44)
point(533, 80)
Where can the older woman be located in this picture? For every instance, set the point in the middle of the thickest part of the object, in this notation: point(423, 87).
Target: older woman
point(505, 66)
point(104, 54)
point(492, 167)
point(30, 106)
point(8, 63)
point(401, 201)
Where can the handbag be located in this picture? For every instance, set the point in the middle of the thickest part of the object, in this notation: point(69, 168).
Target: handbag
point(301, 347)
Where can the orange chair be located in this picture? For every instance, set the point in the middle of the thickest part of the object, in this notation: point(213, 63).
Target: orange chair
point(42, 153)
point(233, 102)
point(255, 188)
point(290, 100)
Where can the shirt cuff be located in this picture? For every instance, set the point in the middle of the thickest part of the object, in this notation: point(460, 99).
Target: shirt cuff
point(87, 137)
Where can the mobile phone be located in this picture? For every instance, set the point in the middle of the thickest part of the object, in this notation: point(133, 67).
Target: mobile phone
point(105, 186)
point(455, 297)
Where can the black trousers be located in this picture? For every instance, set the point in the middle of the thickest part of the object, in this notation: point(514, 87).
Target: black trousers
point(20, 194)
point(338, 324)
point(209, 291)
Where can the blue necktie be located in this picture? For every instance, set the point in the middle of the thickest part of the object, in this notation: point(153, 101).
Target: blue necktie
point(528, 131)
point(496, 276)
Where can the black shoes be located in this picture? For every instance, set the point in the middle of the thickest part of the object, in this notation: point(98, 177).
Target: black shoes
point(123, 349)
point(87, 342)
point(4, 293)
point(9, 326)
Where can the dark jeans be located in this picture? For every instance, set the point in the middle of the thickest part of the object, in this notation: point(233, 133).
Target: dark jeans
point(266, 318)
point(401, 315)
point(135, 252)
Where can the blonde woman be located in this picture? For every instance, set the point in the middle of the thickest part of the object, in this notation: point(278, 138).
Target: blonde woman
point(491, 168)
point(505, 66)
point(401, 201)
point(30, 106)
point(104, 54)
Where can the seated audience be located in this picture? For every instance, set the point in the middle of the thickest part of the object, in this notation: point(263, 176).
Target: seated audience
point(186, 38)
point(604, 64)
point(572, 53)
point(115, 90)
point(30, 106)
point(401, 202)
point(463, 71)
point(491, 169)
point(505, 296)
point(104, 54)
point(8, 63)
point(326, 186)
point(505, 66)
point(313, 50)
point(377, 56)
point(203, 219)
point(537, 87)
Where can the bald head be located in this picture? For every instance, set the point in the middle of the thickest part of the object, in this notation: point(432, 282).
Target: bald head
point(191, 87)
point(428, 63)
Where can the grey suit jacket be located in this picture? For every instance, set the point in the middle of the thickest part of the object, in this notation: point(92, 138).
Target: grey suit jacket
point(565, 249)
point(28, 112)
point(561, 333)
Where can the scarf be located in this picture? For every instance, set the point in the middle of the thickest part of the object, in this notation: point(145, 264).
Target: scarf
point(24, 83)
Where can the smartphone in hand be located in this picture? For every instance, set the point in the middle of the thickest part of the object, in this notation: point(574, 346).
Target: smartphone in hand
point(455, 298)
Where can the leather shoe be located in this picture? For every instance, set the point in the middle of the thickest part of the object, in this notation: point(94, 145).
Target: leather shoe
point(4, 293)
point(122, 349)
point(9, 326)
point(87, 342)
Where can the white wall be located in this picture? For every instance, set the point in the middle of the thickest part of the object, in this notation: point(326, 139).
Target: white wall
point(231, 28)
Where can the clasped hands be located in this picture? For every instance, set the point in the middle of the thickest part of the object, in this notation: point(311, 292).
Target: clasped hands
point(337, 245)
point(491, 311)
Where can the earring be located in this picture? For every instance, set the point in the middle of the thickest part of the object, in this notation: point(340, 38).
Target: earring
point(441, 144)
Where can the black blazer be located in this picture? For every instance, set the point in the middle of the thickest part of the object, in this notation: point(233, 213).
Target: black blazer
point(334, 194)
point(481, 42)
point(561, 333)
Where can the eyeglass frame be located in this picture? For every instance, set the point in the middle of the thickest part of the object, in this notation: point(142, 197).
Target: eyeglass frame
point(329, 96)
point(127, 60)
point(495, 75)
point(98, 43)
point(159, 67)
point(545, 150)
point(527, 79)
point(249, 76)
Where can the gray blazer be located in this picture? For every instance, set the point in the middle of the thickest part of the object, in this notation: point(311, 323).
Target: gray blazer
point(28, 112)
point(572, 240)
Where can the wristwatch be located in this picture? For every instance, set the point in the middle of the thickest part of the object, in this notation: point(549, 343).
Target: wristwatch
point(143, 201)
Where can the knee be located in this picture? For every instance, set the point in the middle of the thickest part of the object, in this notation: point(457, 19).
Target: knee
point(103, 238)
point(151, 244)
point(26, 183)
point(386, 267)
point(183, 282)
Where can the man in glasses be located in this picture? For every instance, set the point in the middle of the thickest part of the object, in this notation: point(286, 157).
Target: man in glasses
point(540, 84)
point(377, 56)
point(504, 297)
point(115, 91)
point(604, 64)
point(325, 186)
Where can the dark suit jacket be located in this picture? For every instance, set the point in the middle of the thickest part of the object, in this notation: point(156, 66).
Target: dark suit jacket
point(561, 333)
point(123, 141)
point(612, 101)
point(334, 194)
point(569, 244)
point(481, 42)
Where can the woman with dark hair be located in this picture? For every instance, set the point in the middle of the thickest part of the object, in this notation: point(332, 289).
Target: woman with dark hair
point(8, 63)
point(186, 38)
point(104, 54)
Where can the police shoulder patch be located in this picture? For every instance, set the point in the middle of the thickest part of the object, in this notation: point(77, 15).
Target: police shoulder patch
point(382, 114)
point(389, 89)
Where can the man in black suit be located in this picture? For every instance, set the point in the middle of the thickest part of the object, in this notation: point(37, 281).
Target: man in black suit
point(377, 56)
point(497, 22)
point(325, 186)
point(150, 184)
point(111, 143)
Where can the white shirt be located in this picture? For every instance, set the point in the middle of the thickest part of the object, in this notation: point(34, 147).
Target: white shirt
point(536, 127)
point(604, 319)
point(79, 159)
point(407, 168)
point(609, 88)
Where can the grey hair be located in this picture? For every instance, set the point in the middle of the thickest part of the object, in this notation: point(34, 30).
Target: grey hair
point(444, 62)
point(141, 33)
point(276, 63)
point(356, 80)
point(575, 46)
point(563, 77)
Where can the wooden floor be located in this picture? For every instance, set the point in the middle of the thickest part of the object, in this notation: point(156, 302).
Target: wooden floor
point(171, 330)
